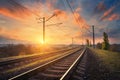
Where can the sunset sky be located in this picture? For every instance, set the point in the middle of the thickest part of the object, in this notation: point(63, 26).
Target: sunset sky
point(20, 20)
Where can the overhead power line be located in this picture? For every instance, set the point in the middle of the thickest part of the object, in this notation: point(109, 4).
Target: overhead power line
point(72, 10)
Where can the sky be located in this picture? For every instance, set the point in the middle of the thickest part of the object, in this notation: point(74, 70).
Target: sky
point(21, 21)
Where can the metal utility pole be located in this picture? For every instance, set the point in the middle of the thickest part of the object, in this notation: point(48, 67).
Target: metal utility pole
point(93, 37)
point(44, 22)
point(43, 29)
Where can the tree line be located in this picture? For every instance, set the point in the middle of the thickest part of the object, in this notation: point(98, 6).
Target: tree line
point(105, 45)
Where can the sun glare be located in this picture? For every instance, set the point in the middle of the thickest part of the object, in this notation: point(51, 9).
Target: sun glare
point(42, 42)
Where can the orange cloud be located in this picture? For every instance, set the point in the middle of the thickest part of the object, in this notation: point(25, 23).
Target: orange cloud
point(107, 13)
point(61, 13)
point(80, 21)
point(19, 15)
point(15, 10)
point(78, 9)
point(114, 17)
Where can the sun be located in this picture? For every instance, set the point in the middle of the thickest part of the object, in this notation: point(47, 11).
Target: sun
point(42, 42)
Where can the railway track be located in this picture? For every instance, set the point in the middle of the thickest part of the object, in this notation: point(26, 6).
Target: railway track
point(13, 63)
point(56, 69)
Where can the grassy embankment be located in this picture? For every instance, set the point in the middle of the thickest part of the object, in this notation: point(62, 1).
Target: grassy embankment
point(110, 59)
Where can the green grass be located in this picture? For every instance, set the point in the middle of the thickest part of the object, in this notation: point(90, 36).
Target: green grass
point(110, 59)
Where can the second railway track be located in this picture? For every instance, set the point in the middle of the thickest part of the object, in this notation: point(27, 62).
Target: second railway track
point(53, 70)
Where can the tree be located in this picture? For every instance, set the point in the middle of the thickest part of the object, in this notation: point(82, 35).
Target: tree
point(90, 44)
point(87, 42)
point(99, 45)
point(105, 44)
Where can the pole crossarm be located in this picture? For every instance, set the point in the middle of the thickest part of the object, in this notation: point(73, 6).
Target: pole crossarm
point(54, 24)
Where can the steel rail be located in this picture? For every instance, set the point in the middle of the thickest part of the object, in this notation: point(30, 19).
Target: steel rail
point(64, 77)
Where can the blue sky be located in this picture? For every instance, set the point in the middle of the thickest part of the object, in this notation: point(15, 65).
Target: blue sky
point(18, 20)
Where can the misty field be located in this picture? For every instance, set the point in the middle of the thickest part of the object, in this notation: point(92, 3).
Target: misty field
point(11, 50)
